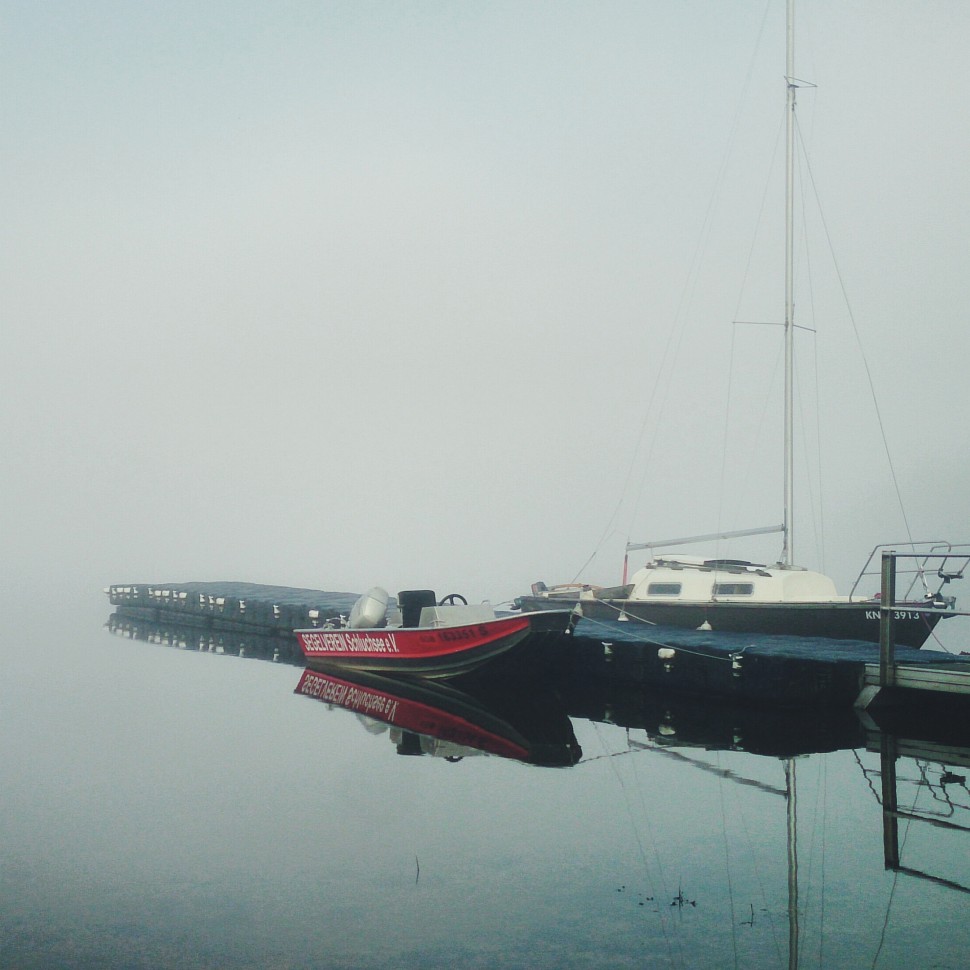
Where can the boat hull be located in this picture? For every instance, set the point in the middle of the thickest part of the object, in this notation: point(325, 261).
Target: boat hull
point(430, 651)
point(912, 625)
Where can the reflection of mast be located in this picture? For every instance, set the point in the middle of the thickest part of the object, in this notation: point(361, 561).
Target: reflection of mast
point(728, 775)
point(792, 863)
point(790, 793)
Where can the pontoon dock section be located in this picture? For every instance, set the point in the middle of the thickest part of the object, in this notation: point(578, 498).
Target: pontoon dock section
point(750, 669)
point(248, 607)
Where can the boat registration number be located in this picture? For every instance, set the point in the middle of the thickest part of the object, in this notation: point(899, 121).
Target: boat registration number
point(897, 614)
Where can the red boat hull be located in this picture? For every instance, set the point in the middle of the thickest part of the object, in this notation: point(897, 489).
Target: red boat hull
point(431, 652)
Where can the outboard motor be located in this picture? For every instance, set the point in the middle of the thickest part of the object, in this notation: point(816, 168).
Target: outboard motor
point(412, 602)
point(369, 611)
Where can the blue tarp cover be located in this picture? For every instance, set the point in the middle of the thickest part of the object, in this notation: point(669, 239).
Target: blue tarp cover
point(716, 643)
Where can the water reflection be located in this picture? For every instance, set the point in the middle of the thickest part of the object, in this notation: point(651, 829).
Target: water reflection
point(531, 721)
point(279, 647)
point(685, 833)
point(941, 770)
point(527, 723)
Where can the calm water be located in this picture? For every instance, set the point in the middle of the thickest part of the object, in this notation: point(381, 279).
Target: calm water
point(166, 807)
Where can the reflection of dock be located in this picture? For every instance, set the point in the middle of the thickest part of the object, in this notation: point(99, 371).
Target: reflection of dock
point(169, 632)
point(891, 748)
point(672, 720)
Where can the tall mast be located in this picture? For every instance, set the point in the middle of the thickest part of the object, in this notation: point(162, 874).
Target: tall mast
point(786, 555)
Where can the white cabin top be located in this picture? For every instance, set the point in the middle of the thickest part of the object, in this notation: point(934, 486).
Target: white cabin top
point(698, 580)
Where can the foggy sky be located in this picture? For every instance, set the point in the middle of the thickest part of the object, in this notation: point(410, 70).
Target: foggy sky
point(336, 294)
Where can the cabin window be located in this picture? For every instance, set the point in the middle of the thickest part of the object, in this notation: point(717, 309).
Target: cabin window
point(663, 589)
point(733, 589)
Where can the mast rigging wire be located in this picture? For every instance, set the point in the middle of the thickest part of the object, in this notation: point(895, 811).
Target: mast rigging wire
point(858, 337)
point(672, 347)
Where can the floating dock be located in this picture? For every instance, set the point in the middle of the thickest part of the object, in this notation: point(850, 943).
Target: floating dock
point(753, 670)
point(230, 606)
point(951, 678)
point(909, 699)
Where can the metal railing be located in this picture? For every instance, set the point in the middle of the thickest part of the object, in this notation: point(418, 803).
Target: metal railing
point(950, 562)
point(934, 564)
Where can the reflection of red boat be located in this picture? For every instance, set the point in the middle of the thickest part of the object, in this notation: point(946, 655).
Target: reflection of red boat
point(428, 717)
point(432, 639)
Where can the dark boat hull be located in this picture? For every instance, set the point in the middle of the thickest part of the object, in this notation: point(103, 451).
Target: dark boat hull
point(912, 624)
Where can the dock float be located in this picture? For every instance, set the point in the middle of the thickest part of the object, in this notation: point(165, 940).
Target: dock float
point(925, 702)
point(230, 606)
point(755, 669)
point(953, 678)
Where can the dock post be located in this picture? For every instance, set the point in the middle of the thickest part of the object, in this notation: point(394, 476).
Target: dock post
point(887, 652)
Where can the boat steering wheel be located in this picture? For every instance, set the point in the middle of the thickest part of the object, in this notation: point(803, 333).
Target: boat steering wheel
point(453, 599)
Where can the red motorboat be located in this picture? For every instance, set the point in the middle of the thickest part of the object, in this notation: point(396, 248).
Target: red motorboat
point(425, 636)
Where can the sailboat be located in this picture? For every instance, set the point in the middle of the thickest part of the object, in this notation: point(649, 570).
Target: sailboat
point(735, 595)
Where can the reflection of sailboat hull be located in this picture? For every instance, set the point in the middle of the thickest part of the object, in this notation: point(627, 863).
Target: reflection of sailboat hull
point(526, 723)
point(677, 720)
point(840, 621)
